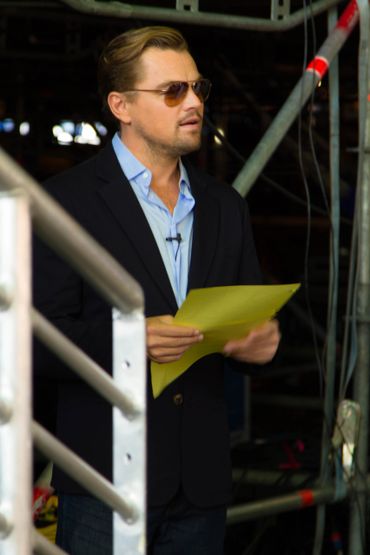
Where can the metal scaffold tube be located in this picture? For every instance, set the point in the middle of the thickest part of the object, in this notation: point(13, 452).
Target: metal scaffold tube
point(297, 500)
point(296, 100)
point(83, 365)
point(302, 499)
point(196, 17)
point(358, 517)
point(327, 427)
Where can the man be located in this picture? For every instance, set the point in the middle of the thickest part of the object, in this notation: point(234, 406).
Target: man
point(173, 229)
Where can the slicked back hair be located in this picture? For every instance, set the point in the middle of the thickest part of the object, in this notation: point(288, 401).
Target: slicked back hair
point(119, 63)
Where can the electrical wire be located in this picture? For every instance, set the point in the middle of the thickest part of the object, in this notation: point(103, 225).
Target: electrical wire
point(333, 238)
point(240, 158)
point(349, 357)
point(350, 335)
point(334, 234)
point(320, 360)
point(252, 547)
point(349, 350)
point(352, 291)
point(309, 218)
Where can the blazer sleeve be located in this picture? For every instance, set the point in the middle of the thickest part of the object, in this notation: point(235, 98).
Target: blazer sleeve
point(71, 305)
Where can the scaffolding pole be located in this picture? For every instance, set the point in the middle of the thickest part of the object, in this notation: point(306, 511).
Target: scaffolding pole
point(297, 99)
point(302, 499)
point(325, 467)
point(197, 17)
point(358, 519)
point(297, 500)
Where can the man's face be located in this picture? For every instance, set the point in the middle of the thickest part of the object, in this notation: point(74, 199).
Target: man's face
point(164, 130)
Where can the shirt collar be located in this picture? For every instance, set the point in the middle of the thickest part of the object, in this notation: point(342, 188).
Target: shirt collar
point(134, 169)
point(131, 166)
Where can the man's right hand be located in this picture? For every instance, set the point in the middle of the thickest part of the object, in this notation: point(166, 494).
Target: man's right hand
point(167, 342)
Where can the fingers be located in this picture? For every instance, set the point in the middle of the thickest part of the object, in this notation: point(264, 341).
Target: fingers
point(162, 332)
point(166, 342)
point(258, 347)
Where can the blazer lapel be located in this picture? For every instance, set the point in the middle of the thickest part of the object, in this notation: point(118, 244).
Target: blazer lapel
point(118, 195)
point(205, 231)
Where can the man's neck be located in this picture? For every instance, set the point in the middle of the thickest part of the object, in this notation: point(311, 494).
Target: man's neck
point(164, 169)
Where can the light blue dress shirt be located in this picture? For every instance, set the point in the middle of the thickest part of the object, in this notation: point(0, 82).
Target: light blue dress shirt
point(175, 255)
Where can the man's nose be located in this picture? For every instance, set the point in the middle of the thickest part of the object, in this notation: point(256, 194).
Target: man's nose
point(191, 99)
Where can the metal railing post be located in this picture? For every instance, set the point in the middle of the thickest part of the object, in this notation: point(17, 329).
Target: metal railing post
point(15, 375)
point(129, 437)
point(128, 390)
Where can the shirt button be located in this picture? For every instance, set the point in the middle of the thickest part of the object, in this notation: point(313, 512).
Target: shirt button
point(178, 399)
point(145, 175)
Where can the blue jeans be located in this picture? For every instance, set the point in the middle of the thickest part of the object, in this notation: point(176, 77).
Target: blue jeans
point(179, 528)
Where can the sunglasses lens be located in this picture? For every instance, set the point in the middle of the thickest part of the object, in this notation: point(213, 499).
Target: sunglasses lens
point(175, 93)
point(202, 89)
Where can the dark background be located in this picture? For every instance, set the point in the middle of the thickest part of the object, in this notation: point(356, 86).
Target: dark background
point(48, 55)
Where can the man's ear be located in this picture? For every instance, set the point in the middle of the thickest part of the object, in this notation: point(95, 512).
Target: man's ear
point(118, 105)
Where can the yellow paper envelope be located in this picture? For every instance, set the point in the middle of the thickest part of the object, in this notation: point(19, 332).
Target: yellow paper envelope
point(221, 314)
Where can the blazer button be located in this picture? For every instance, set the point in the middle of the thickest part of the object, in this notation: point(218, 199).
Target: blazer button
point(178, 399)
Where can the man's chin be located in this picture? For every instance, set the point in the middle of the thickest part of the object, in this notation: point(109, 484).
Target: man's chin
point(189, 146)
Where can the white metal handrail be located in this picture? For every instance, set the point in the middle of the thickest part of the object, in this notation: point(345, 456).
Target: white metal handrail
point(15, 376)
point(71, 241)
point(82, 364)
point(126, 391)
point(83, 473)
point(42, 546)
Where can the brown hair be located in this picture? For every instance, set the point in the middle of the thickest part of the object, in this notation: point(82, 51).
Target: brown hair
point(118, 64)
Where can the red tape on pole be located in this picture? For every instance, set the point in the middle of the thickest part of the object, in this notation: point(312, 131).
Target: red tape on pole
point(306, 496)
point(346, 22)
point(348, 19)
point(319, 65)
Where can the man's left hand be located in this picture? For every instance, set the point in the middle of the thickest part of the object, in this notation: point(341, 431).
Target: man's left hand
point(258, 347)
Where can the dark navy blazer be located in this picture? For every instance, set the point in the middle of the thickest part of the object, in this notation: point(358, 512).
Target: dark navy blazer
point(188, 443)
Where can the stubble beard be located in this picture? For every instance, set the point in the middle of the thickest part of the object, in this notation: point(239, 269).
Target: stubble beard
point(179, 147)
point(185, 146)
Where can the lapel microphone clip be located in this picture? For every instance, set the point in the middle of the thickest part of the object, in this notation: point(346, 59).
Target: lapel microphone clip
point(178, 238)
